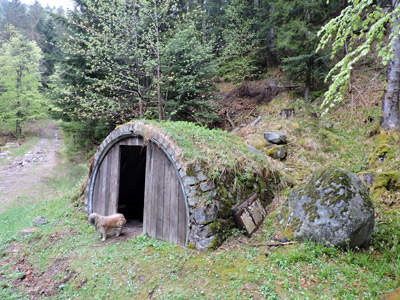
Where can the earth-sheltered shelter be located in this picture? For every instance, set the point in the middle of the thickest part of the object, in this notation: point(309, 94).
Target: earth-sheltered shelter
point(180, 179)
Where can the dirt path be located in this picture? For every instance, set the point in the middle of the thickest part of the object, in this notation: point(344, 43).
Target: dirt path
point(24, 177)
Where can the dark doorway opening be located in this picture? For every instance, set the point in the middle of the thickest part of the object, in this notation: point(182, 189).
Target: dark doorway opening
point(131, 182)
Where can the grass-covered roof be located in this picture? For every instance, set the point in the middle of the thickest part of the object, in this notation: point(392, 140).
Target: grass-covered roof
point(213, 149)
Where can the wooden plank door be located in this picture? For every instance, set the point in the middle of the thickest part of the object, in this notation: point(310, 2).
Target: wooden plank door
point(106, 186)
point(165, 215)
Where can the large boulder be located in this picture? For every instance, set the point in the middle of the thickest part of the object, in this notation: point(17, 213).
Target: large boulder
point(333, 207)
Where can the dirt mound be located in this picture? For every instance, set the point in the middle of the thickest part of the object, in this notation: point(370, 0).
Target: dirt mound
point(237, 106)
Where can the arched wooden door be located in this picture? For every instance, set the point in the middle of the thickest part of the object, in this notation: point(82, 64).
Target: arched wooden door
point(107, 181)
point(165, 211)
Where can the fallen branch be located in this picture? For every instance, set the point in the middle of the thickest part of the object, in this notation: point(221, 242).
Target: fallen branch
point(230, 120)
point(268, 245)
point(280, 244)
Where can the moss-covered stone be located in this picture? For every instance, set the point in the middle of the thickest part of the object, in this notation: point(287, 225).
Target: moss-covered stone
point(331, 206)
point(379, 154)
point(277, 152)
point(329, 187)
point(385, 181)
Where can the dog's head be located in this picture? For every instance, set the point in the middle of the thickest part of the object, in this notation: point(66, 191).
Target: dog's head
point(92, 218)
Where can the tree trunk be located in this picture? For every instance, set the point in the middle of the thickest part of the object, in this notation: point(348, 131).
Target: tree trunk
point(310, 66)
point(159, 97)
point(390, 105)
point(307, 91)
point(18, 128)
point(141, 113)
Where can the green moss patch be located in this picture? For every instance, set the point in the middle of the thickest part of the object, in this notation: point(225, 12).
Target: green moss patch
point(329, 186)
point(385, 181)
point(379, 155)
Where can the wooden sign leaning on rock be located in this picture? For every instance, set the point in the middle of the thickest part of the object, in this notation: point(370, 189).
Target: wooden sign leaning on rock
point(249, 214)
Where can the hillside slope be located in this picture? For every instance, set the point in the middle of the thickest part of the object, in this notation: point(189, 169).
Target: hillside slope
point(70, 262)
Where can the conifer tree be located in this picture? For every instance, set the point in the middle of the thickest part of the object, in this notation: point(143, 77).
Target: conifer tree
point(296, 25)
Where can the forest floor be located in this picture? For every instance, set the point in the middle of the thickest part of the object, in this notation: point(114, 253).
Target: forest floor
point(65, 259)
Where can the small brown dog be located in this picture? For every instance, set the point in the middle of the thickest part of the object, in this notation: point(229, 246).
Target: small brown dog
point(104, 223)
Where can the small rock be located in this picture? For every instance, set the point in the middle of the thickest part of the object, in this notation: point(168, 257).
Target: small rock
point(205, 215)
point(277, 137)
point(28, 231)
point(325, 124)
point(205, 186)
point(40, 220)
point(204, 244)
point(367, 178)
point(182, 173)
point(201, 176)
point(11, 145)
point(189, 180)
point(192, 201)
point(278, 152)
point(190, 191)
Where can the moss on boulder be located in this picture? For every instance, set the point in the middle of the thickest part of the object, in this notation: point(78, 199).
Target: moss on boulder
point(277, 152)
point(385, 181)
point(332, 207)
point(379, 154)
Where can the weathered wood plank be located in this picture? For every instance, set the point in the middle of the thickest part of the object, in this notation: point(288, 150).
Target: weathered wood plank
point(96, 192)
point(106, 195)
point(150, 197)
point(115, 154)
point(167, 202)
point(182, 222)
point(160, 192)
point(249, 214)
point(104, 187)
point(174, 205)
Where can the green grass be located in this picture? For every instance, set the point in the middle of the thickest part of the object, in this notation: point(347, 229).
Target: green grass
point(215, 150)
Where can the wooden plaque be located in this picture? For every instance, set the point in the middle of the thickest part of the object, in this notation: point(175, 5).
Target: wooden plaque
point(249, 214)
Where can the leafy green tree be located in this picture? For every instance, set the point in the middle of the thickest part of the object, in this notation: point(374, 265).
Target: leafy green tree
point(127, 60)
point(361, 26)
point(20, 99)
